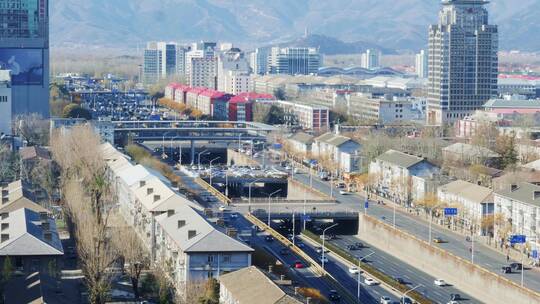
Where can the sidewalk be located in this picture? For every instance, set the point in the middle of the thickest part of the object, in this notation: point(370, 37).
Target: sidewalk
point(514, 254)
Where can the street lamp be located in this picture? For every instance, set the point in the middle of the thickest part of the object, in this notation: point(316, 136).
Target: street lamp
point(323, 238)
point(431, 218)
point(269, 197)
point(239, 141)
point(358, 279)
point(249, 187)
point(199, 158)
point(179, 149)
point(211, 168)
point(164, 155)
point(411, 290)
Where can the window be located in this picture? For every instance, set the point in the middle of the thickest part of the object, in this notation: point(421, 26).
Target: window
point(210, 258)
point(226, 258)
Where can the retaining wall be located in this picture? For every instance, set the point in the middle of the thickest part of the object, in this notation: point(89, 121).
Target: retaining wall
point(484, 285)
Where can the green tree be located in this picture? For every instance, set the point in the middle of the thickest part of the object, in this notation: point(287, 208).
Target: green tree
point(74, 110)
point(506, 147)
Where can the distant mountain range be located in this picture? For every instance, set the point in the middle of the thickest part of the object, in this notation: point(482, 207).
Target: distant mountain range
point(390, 24)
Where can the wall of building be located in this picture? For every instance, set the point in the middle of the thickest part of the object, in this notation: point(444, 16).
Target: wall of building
point(486, 286)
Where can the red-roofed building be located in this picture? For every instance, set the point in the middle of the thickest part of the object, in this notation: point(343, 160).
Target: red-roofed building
point(211, 102)
point(180, 93)
point(241, 106)
point(170, 90)
point(192, 95)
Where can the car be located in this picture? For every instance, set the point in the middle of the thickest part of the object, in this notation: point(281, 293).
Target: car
point(269, 238)
point(359, 245)
point(334, 296)
point(400, 280)
point(438, 240)
point(453, 302)
point(405, 300)
point(354, 270)
point(233, 215)
point(352, 247)
point(300, 245)
point(284, 251)
point(370, 281)
point(455, 297)
point(298, 265)
point(343, 192)
point(319, 250)
point(385, 300)
point(516, 266)
point(506, 269)
point(439, 282)
point(323, 259)
point(223, 208)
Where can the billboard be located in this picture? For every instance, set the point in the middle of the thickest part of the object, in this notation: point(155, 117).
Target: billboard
point(26, 65)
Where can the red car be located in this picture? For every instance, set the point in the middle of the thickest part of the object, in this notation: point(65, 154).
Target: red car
point(298, 265)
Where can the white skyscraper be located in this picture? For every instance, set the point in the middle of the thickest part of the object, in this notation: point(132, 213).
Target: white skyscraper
point(371, 59)
point(5, 102)
point(422, 64)
point(463, 63)
point(233, 72)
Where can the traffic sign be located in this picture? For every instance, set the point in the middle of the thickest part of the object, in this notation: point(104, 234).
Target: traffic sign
point(517, 239)
point(534, 254)
point(306, 218)
point(366, 204)
point(450, 211)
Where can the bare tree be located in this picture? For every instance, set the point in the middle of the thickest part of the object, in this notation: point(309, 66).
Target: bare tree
point(86, 196)
point(32, 128)
point(133, 254)
point(9, 164)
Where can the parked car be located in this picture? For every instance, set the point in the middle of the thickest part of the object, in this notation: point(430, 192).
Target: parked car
point(439, 282)
point(385, 300)
point(370, 282)
point(438, 240)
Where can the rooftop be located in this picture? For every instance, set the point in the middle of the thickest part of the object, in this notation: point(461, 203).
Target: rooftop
point(469, 191)
point(471, 150)
point(206, 237)
point(523, 192)
point(251, 283)
point(400, 159)
point(27, 153)
point(334, 139)
point(15, 196)
point(302, 137)
point(513, 104)
point(26, 234)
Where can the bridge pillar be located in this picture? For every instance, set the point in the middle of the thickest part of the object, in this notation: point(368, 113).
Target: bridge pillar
point(192, 152)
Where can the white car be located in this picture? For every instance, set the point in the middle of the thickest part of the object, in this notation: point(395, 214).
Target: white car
point(354, 270)
point(439, 282)
point(453, 302)
point(323, 259)
point(343, 192)
point(385, 300)
point(223, 208)
point(370, 282)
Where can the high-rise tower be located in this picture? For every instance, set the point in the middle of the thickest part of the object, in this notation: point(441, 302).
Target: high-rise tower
point(463, 63)
point(24, 51)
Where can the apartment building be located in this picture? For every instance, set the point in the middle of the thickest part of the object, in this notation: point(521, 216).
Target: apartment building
point(392, 174)
point(343, 150)
point(309, 117)
point(172, 227)
point(519, 204)
point(233, 72)
point(203, 72)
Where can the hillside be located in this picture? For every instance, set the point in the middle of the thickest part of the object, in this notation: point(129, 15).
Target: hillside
point(392, 24)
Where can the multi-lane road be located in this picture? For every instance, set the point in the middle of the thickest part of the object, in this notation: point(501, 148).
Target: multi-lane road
point(419, 227)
